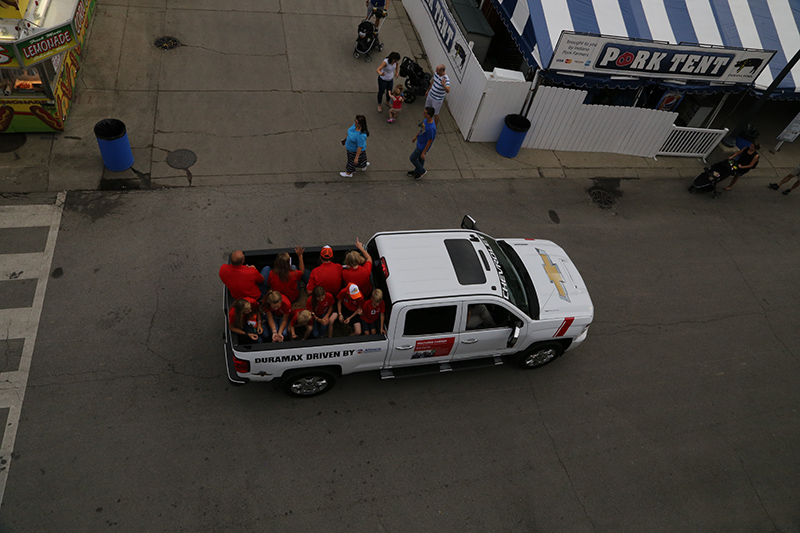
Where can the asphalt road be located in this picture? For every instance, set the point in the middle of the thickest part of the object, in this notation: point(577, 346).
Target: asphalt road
point(678, 413)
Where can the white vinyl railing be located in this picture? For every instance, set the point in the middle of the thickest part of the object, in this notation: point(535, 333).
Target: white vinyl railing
point(691, 142)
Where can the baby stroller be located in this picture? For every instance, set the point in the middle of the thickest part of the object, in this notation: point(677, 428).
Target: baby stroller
point(417, 80)
point(708, 179)
point(366, 41)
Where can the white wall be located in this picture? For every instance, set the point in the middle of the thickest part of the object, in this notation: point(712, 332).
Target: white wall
point(466, 96)
point(500, 98)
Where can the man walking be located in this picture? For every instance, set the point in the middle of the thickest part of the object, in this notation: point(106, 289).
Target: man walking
point(424, 139)
point(440, 86)
point(793, 174)
point(379, 8)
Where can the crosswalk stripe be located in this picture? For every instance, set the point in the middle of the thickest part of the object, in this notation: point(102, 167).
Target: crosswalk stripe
point(25, 216)
point(21, 266)
point(16, 323)
point(24, 322)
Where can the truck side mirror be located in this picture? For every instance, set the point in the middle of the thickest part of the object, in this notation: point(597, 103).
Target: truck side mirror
point(469, 223)
point(514, 337)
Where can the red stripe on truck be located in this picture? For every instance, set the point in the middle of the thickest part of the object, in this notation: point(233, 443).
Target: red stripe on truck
point(564, 326)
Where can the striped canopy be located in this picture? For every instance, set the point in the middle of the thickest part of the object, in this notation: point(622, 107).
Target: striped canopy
point(536, 25)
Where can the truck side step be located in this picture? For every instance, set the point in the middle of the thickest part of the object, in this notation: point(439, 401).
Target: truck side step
point(408, 371)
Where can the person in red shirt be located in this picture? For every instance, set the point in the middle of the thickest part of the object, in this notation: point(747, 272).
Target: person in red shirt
point(371, 312)
point(244, 322)
point(283, 278)
point(301, 318)
point(328, 274)
point(277, 307)
point(358, 269)
point(241, 280)
point(353, 300)
point(320, 303)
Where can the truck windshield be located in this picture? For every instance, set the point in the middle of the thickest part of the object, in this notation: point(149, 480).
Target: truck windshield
point(513, 273)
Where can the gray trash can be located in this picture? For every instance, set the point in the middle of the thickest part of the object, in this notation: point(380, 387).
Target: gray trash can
point(112, 138)
point(511, 138)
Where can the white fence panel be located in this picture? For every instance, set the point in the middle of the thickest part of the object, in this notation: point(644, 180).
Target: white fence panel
point(561, 121)
point(691, 142)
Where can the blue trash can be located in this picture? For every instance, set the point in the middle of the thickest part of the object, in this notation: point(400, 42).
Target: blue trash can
point(114, 145)
point(511, 138)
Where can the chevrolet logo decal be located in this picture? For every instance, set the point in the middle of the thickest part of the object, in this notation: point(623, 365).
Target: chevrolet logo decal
point(554, 274)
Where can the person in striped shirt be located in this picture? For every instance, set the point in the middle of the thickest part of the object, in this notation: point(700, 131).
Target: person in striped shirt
point(440, 86)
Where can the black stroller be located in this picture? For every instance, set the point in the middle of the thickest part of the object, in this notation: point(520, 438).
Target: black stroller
point(417, 80)
point(708, 179)
point(366, 41)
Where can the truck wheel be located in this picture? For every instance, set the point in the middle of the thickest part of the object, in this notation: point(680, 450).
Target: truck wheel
point(539, 355)
point(307, 383)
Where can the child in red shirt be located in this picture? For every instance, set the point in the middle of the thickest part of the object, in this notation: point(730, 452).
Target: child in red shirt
point(320, 303)
point(397, 103)
point(244, 322)
point(353, 300)
point(277, 307)
point(302, 319)
point(371, 311)
point(359, 267)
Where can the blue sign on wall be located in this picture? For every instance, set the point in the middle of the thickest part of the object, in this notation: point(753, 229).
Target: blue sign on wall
point(449, 35)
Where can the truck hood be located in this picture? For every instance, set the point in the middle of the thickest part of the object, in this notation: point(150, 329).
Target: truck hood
point(559, 287)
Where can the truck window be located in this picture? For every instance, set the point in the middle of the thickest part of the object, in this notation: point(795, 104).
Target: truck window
point(430, 320)
point(487, 316)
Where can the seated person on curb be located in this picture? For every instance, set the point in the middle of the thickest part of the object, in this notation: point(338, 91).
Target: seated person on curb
point(373, 314)
point(328, 274)
point(277, 308)
point(243, 321)
point(241, 280)
point(283, 277)
point(301, 318)
point(320, 303)
point(353, 301)
point(358, 267)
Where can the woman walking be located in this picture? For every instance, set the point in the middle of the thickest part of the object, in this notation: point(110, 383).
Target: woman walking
point(746, 159)
point(356, 145)
point(387, 73)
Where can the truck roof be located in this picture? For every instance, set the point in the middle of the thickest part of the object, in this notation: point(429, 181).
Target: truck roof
point(441, 263)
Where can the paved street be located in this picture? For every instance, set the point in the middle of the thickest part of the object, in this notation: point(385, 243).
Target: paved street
point(678, 413)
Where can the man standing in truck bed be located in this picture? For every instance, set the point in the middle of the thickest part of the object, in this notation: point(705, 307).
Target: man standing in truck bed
point(328, 274)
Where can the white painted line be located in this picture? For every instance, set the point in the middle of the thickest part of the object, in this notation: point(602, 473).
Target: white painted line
point(20, 266)
point(15, 394)
point(16, 323)
point(25, 216)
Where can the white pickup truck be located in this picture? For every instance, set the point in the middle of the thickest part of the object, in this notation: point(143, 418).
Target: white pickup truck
point(454, 299)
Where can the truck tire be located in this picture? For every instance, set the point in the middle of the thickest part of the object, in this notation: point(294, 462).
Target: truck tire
point(308, 383)
point(538, 355)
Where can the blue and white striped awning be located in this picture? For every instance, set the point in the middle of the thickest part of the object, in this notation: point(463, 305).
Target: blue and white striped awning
point(536, 26)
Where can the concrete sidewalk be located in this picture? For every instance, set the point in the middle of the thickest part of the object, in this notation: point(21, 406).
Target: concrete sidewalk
point(263, 91)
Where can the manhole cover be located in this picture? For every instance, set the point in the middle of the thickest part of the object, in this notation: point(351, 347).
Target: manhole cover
point(181, 159)
point(12, 141)
point(602, 198)
point(167, 43)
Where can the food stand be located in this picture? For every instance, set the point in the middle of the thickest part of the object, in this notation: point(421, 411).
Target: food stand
point(40, 52)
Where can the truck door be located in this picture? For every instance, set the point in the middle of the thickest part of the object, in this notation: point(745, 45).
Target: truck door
point(425, 334)
point(486, 330)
